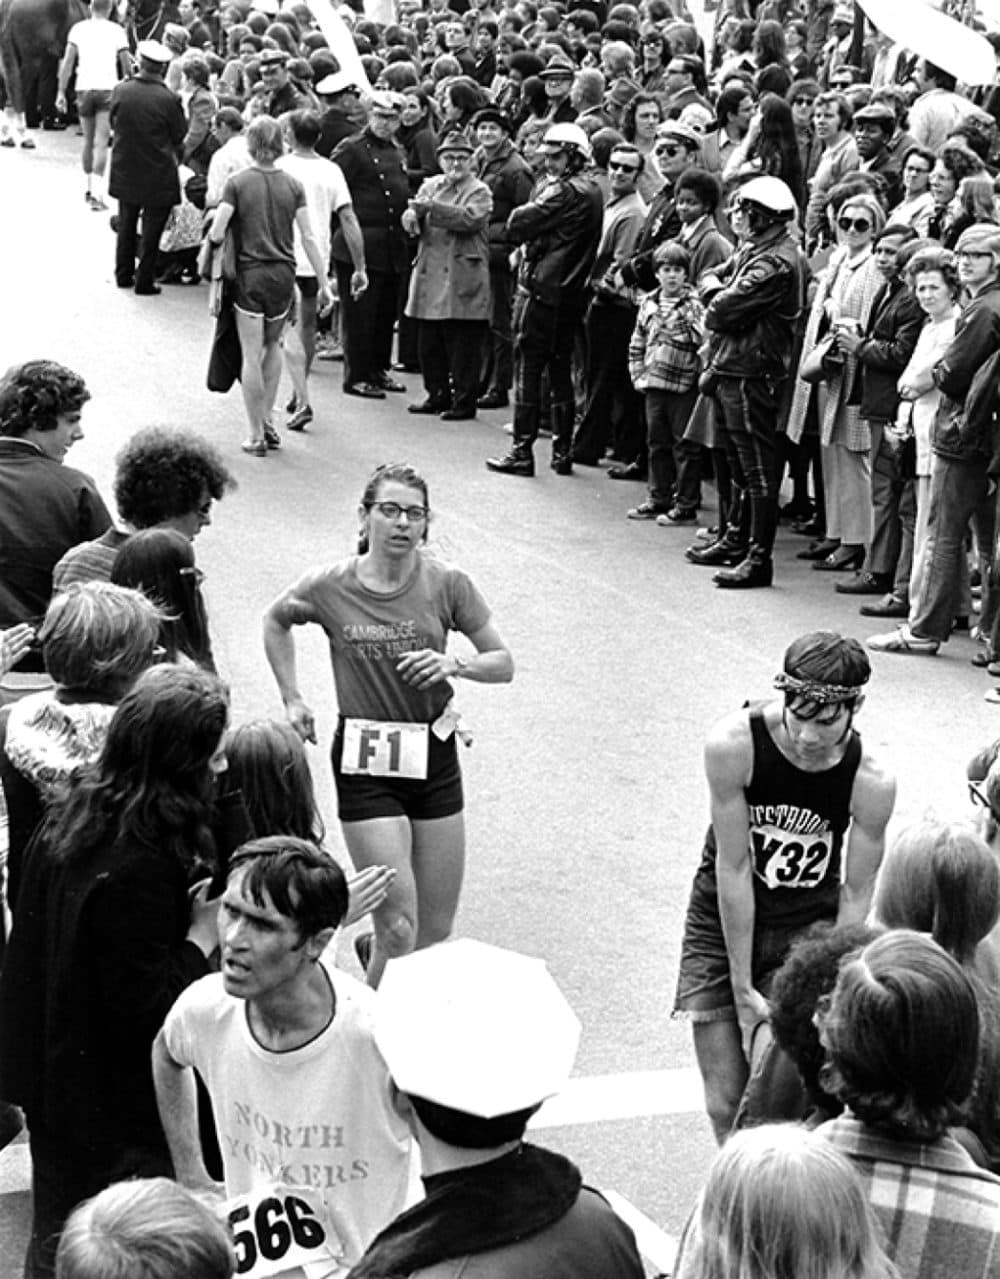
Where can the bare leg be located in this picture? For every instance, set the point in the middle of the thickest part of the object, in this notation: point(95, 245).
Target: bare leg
point(102, 135)
point(724, 1071)
point(438, 867)
point(387, 841)
point(251, 332)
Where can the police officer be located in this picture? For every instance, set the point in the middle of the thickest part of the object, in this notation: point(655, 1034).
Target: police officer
point(559, 231)
point(754, 301)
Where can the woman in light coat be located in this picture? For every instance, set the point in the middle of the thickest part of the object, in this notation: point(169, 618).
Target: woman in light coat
point(450, 284)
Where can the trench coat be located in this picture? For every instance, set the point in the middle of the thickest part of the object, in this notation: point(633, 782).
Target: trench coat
point(451, 276)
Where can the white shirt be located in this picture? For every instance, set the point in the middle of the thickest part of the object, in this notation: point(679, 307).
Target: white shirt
point(98, 42)
point(232, 157)
point(326, 193)
point(319, 1116)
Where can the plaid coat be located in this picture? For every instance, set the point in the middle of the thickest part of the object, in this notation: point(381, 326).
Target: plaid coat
point(940, 1212)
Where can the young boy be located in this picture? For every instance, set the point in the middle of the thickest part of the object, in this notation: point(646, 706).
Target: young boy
point(664, 365)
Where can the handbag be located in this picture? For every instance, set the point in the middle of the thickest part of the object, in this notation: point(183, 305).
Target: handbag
point(822, 362)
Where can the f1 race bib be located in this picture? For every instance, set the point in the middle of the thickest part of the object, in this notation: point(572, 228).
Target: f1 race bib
point(782, 860)
point(382, 748)
point(281, 1228)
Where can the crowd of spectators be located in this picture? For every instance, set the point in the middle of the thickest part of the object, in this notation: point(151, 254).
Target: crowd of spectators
point(772, 257)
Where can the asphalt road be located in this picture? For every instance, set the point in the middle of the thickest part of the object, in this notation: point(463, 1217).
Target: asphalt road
point(586, 800)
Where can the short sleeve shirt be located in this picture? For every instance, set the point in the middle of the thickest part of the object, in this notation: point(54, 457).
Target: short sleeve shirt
point(369, 632)
point(265, 203)
point(98, 42)
point(326, 192)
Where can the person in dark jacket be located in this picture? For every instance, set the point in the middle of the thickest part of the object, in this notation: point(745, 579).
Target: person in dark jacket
point(677, 149)
point(753, 304)
point(45, 506)
point(882, 354)
point(105, 937)
point(375, 168)
point(510, 180)
point(149, 128)
point(340, 120)
point(559, 231)
point(475, 1039)
point(962, 447)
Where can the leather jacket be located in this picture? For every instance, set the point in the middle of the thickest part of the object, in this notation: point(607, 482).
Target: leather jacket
point(560, 229)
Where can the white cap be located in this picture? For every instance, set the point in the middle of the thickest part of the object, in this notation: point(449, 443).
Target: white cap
point(478, 1029)
point(770, 193)
point(153, 51)
point(267, 7)
point(336, 82)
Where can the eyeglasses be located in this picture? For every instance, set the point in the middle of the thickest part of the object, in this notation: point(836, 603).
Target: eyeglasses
point(803, 102)
point(270, 67)
point(393, 510)
point(982, 800)
point(668, 148)
point(854, 224)
point(622, 168)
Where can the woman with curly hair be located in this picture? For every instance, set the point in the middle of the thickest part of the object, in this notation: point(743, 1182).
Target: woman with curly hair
point(108, 931)
point(45, 506)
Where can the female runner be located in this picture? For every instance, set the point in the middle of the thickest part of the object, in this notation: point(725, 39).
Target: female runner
point(387, 612)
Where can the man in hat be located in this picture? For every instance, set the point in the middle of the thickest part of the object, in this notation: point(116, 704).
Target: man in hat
point(279, 92)
point(375, 168)
point(449, 293)
point(342, 118)
point(558, 81)
point(962, 444)
point(559, 231)
point(506, 173)
point(97, 50)
point(799, 810)
point(149, 127)
point(475, 1039)
point(282, 1040)
point(754, 302)
point(874, 126)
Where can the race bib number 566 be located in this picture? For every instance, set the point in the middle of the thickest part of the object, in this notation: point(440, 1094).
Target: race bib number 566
point(279, 1229)
point(782, 860)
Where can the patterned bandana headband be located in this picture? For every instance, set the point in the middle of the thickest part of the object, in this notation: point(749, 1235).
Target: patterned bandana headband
point(814, 691)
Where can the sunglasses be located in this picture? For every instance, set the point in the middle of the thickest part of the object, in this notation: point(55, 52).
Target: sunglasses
point(803, 102)
point(668, 148)
point(854, 224)
point(623, 168)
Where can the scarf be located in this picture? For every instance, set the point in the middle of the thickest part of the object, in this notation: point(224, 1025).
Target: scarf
point(475, 1210)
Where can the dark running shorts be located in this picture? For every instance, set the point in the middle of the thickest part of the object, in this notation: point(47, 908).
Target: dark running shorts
point(91, 101)
point(307, 285)
point(704, 990)
point(266, 291)
point(360, 798)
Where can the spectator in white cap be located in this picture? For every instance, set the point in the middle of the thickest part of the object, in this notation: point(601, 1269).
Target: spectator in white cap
point(476, 1038)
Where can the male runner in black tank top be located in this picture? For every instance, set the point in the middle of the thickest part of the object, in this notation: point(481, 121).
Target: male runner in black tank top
point(787, 780)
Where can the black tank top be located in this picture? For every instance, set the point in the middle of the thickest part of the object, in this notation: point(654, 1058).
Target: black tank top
point(797, 825)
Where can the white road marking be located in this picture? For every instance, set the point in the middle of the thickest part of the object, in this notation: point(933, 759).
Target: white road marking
point(632, 1095)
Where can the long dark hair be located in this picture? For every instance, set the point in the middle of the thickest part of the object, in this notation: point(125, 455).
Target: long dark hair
point(268, 765)
point(776, 145)
point(151, 783)
point(160, 563)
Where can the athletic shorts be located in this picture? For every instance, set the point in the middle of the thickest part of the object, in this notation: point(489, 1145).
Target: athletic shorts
point(91, 101)
point(266, 292)
point(704, 989)
point(361, 798)
point(307, 285)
